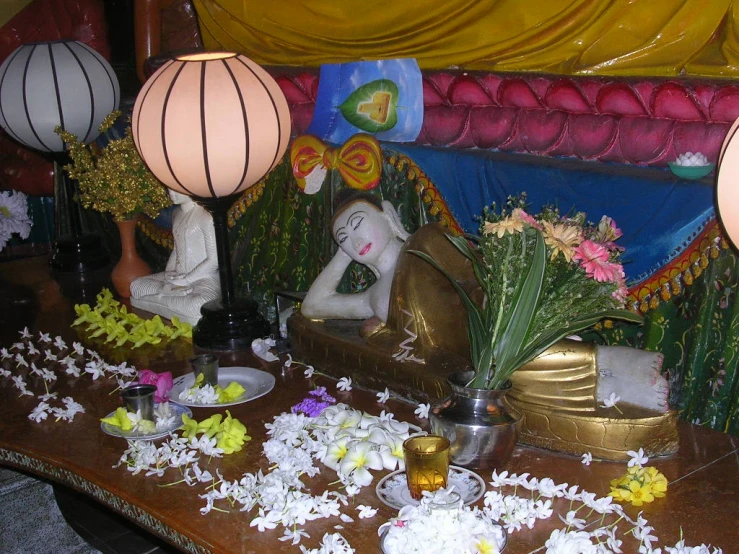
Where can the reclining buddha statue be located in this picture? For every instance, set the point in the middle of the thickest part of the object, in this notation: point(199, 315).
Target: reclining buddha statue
point(408, 331)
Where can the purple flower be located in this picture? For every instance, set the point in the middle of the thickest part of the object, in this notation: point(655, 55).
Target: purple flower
point(310, 407)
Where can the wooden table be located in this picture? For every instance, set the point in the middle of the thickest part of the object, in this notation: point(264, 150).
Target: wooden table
point(702, 499)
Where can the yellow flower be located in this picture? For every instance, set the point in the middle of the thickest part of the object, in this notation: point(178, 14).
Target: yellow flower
point(211, 426)
point(119, 419)
point(230, 393)
point(506, 225)
point(232, 435)
point(561, 238)
point(189, 427)
point(640, 485)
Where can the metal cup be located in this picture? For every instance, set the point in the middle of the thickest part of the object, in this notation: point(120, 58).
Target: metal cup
point(207, 365)
point(140, 398)
point(426, 463)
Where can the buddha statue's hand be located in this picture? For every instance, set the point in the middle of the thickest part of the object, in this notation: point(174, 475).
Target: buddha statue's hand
point(180, 279)
point(172, 289)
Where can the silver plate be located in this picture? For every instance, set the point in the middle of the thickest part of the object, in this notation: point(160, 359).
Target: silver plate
point(255, 381)
point(393, 488)
point(177, 410)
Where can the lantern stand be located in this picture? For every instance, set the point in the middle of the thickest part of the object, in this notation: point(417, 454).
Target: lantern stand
point(211, 125)
point(74, 251)
point(228, 323)
point(67, 84)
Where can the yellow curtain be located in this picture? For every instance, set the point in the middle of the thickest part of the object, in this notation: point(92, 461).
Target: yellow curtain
point(578, 37)
point(8, 8)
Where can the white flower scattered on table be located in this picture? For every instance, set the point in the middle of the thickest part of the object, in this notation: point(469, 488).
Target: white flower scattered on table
point(330, 544)
point(23, 363)
point(351, 442)
point(13, 216)
point(422, 411)
point(260, 347)
point(383, 396)
point(587, 459)
point(637, 458)
point(612, 401)
point(591, 523)
point(441, 524)
point(344, 384)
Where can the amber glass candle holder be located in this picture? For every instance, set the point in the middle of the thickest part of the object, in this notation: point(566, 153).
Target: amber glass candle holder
point(426, 464)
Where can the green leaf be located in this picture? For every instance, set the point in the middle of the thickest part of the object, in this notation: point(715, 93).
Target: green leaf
point(373, 106)
point(523, 308)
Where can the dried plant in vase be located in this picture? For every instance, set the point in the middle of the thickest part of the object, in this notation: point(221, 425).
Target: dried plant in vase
point(114, 179)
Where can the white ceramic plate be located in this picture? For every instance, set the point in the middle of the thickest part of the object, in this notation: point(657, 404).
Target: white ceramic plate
point(177, 411)
point(255, 381)
point(393, 489)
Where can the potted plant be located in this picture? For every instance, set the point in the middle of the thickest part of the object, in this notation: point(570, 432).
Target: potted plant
point(114, 179)
point(543, 278)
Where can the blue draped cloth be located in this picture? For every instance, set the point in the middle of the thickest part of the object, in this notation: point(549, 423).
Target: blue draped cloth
point(659, 214)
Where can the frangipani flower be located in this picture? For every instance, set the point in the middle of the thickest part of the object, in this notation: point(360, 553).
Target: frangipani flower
point(360, 457)
point(391, 448)
point(335, 453)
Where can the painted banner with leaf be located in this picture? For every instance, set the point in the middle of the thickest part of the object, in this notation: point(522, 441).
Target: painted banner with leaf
point(383, 98)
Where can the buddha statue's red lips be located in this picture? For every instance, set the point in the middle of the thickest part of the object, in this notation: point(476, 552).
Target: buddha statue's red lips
point(365, 249)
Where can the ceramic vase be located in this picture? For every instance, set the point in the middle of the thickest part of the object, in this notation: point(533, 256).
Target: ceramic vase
point(131, 266)
point(481, 425)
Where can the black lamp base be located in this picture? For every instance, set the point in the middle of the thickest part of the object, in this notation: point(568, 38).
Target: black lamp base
point(231, 328)
point(79, 254)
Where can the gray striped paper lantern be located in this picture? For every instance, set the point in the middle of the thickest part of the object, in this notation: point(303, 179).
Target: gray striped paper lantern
point(211, 125)
point(64, 83)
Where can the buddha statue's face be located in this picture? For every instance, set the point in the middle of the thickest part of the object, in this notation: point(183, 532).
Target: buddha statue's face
point(178, 198)
point(362, 231)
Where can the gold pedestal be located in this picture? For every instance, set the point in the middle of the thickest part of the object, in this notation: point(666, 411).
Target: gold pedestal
point(573, 426)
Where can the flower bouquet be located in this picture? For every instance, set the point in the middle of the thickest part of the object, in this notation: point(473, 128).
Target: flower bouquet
point(543, 277)
point(114, 179)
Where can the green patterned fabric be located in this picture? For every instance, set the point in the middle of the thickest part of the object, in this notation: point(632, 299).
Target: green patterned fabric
point(698, 334)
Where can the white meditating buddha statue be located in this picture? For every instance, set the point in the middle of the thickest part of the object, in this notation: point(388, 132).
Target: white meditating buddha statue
point(190, 278)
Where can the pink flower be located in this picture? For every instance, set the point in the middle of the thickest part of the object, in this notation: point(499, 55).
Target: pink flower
point(518, 213)
point(162, 381)
point(608, 232)
point(593, 258)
